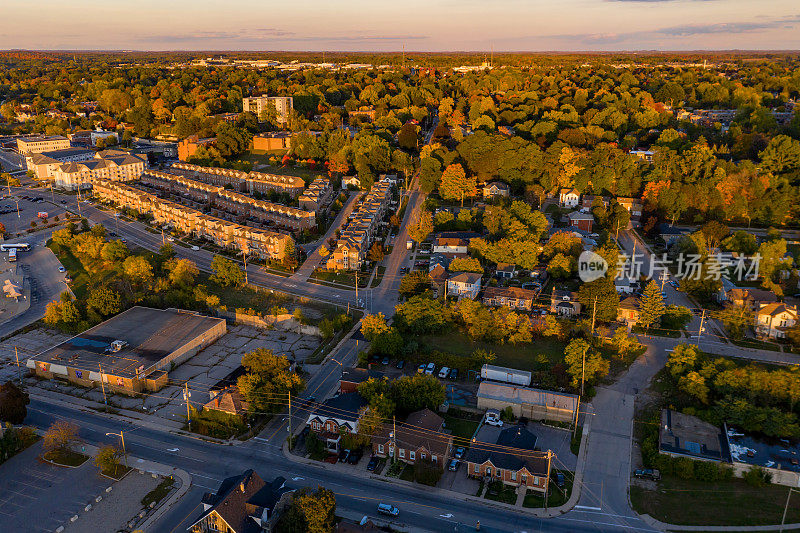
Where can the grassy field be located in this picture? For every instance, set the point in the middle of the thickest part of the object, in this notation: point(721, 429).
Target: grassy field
point(521, 357)
point(65, 457)
point(460, 427)
point(757, 344)
point(82, 281)
point(557, 495)
point(500, 492)
point(340, 277)
point(728, 503)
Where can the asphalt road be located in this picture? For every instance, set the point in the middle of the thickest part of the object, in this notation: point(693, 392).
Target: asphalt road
point(210, 463)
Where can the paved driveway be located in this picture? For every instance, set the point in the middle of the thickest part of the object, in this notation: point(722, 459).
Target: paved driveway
point(37, 496)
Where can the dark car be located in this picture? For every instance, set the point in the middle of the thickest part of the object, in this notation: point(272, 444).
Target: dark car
point(560, 479)
point(400, 364)
point(647, 473)
point(63, 201)
point(385, 361)
point(112, 233)
point(343, 455)
point(453, 466)
point(373, 462)
point(355, 457)
point(459, 453)
point(453, 373)
point(404, 270)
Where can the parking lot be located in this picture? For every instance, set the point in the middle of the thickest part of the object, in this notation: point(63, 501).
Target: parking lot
point(30, 203)
point(38, 496)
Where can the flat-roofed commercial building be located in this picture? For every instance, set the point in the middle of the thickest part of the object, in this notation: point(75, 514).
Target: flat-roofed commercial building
point(44, 143)
point(131, 352)
point(257, 104)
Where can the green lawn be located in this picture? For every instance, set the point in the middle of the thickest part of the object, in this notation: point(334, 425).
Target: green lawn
point(757, 344)
point(82, 281)
point(65, 457)
point(340, 277)
point(460, 427)
point(724, 503)
point(534, 356)
point(557, 495)
point(657, 332)
point(500, 492)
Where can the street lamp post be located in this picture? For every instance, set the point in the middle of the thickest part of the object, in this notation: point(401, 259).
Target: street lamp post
point(122, 439)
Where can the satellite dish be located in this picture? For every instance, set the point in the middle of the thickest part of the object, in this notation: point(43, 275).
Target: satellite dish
point(363, 521)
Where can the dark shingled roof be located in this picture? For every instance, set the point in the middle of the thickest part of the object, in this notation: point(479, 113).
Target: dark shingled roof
point(522, 455)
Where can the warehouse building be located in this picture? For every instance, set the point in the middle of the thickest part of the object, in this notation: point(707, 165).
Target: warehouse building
point(131, 352)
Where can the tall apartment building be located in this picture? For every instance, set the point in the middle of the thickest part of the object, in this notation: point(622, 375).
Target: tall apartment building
point(114, 165)
point(44, 163)
point(256, 104)
point(247, 182)
point(256, 242)
point(234, 203)
point(359, 233)
point(37, 145)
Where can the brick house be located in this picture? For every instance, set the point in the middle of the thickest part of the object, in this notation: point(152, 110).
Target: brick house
point(628, 311)
point(511, 297)
point(420, 438)
point(336, 415)
point(243, 504)
point(353, 377)
point(582, 221)
point(522, 465)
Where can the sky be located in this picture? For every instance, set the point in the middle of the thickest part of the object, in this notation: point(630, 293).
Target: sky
point(388, 25)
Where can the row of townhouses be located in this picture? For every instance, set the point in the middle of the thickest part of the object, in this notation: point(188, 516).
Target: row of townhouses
point(317, 196)
point(114, 165)
point(247, 182)
point(359, 233)
point(232, 202)
point(258, 242)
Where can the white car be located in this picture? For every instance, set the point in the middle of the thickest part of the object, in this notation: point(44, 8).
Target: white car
point(62, 269)
point(195, 248)
point(444, 372)
point(431, 367)
point(171, 239)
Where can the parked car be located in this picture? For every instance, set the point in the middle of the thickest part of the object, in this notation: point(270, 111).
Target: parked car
point(63, 201)
point(400, 364)
point(385, 361)
point(453, 373)
point(421, 368)
point(385, 508)
point(343, 455)
point(458, 453)
point(404, 270)
point(444, 372)
point(560, 479)
point(195, 248)
point(373, 462)
point(355, 457)
point(430, 368)
point(454, 464)
point(647, 473)
point(62, 269)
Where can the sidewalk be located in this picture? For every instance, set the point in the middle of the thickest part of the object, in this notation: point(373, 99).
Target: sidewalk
point(534, 512)
point(669, 527)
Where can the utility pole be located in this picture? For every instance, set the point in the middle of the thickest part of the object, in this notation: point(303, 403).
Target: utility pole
point(103, 386)
point(594, 314)
point(162, 236)
point(186, 396)
point(394, 445)
point(356, 287)
point(547, 483)
point(289, 427)
point(19, 370)
point(583, 368)
point(786, 508)
point(577, 412)
point(702, 322)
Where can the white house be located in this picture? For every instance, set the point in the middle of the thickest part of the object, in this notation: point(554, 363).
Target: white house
point(466, 284)
point(772, 320)
point(568, 198)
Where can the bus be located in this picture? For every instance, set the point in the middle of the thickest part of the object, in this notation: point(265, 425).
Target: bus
point(12, 255)
point(20, 246)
